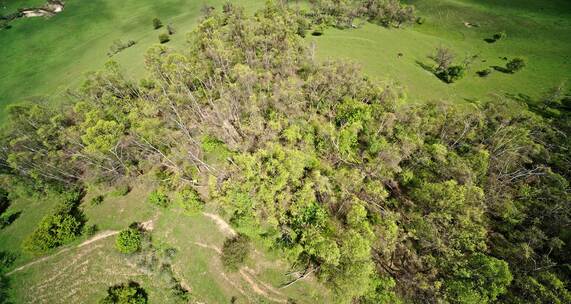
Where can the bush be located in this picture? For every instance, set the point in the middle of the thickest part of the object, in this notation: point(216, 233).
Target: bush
point(164, 38)
point(484, 72)
point(120, 190)
point(170, 29)
point(157, 23)
point(4, 201)
point(420, 20)
point(58, 228)
point(158, 198)
point(190, 201)
point(451, 74)
point(515, 65)
point(129, 241)
point(499, 36)
point(96, 200)
point(235, 252)
point(54, 230)
point(129, 293)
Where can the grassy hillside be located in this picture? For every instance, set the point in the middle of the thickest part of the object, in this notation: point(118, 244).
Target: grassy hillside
point(43, 57)
point(540, 31)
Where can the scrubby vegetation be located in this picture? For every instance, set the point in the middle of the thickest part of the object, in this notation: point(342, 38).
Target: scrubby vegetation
point(128, 293)
point(383, 201)
point(235, 252)
point(129, 241)
point(59, 228)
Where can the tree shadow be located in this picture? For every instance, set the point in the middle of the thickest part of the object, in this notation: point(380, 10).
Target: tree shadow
point(501, 69)
point(426, 67)
point(490, 40)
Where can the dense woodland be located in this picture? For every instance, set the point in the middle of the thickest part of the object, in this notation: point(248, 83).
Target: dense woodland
point(384, 199)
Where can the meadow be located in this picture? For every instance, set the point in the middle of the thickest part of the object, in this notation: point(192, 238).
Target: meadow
point(539, 31)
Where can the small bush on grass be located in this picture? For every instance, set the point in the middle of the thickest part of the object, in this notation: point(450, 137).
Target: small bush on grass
point(190, 201)
point(127, 293)
point(4, 200)
point(235, 252)
point(129, 241)
point(158, 198)
point(157, 23)
point(499, 36)
point(164, 38)
point(120, 190)
point(484, 72)
point(515, 65)
point(96, 200)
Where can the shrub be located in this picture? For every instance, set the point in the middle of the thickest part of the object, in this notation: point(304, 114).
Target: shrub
point(58, 228)
point(157, 23)
point(53, 231)
point(129, 241)
point(484, 72)
point(515, 64)
point(190, 201)
point(164, 38)
point(235, 252)
point(159, 198)
point(451, 74)
point(499, 36)
point(170, 29)
point(120, 190)
point(4, 201)
point(96, 200)
point(420, 20)
point(129, 293)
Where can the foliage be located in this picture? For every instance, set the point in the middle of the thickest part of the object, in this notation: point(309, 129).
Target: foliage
point(120, 190)
point(235, 252)
point(60, 227)
point(157, 23)
point(190, 201)
point(128, 241)
point(164, 38)
point(484, 72)
point(430, 202)
point(516, 64)
point(159, 198)
point(96, 200)
point(126, 293)
point(4, 201)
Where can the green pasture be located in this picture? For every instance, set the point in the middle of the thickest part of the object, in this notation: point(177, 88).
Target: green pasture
point(539, 31)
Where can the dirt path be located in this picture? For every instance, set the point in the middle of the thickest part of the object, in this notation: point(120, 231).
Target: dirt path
point(148, 226)
point(248, 274)
point(221, 223)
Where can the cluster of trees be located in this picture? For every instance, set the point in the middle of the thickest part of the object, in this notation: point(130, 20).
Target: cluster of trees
point(383, 201)
point(342, 13)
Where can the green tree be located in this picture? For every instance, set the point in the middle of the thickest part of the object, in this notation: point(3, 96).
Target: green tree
point(129, 241)
point(126, 293)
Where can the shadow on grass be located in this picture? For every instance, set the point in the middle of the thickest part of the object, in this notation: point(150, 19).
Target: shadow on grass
point(426, 67)
point(502, 69)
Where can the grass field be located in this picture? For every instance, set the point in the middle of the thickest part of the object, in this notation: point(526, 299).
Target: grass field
point(45, 56)
point(540, 31)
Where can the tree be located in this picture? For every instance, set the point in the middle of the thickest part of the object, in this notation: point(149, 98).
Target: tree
point(443, 57)
point(516, 64)
point(126, 293)
point(129, 241)
point(235, 252)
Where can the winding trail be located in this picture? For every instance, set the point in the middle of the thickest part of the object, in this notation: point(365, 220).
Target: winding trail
point(148, 225)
